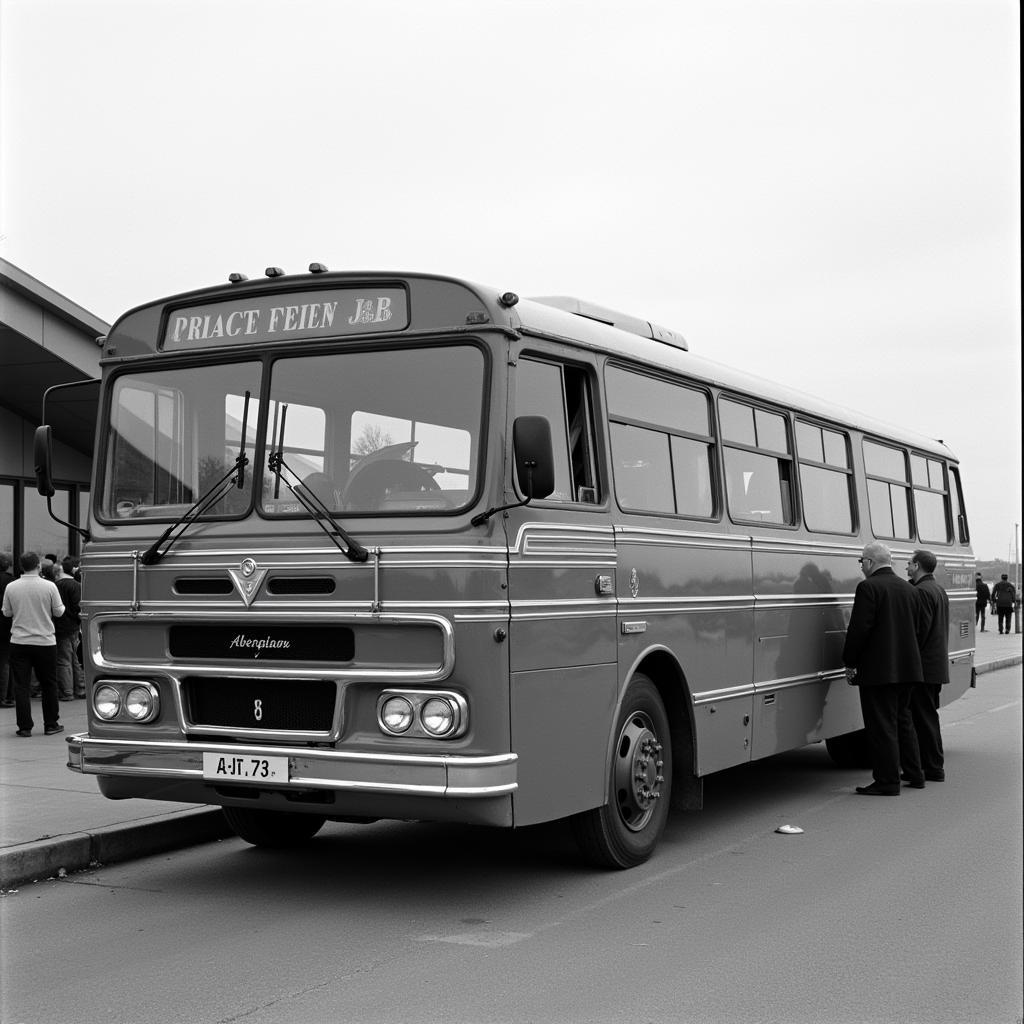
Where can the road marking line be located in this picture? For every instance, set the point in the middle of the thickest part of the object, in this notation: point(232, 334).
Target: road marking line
point(1003, 707)
point(492, 940)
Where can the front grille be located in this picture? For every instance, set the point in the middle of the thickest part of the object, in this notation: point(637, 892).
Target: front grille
point(284, 705)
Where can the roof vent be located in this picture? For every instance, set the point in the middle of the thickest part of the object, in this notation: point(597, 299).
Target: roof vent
point(622, 321)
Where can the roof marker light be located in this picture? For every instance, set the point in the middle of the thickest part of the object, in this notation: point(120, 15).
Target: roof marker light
point(317, 268)
point(508, 299)
point(237, 278)
point(274, 272)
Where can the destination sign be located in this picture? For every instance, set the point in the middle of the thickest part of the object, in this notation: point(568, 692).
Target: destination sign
point(323, 313)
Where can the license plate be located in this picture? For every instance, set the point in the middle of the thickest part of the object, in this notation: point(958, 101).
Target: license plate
point(242, 768)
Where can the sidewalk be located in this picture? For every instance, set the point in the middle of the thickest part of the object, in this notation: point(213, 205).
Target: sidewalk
point(53, 819)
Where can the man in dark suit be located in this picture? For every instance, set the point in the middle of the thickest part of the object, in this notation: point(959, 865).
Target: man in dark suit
point(933, 642)
point(882, 659)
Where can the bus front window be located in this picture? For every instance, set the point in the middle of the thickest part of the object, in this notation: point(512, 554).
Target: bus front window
point(172, 435)
point(384, 432)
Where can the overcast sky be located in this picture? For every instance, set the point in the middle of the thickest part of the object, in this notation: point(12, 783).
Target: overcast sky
point(824, 192)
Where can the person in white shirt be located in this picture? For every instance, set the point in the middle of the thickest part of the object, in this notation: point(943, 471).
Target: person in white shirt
point(32, 604)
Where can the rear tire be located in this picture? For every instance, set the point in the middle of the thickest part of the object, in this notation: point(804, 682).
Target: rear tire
point(850, 750)
point(625, 831)
point(272, 829)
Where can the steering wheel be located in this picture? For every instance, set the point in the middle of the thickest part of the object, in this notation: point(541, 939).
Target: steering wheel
point(370, 484)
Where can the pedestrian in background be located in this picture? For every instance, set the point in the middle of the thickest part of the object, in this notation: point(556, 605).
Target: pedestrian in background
point(32, 604)
point(933, 642)
point(6, 686)
point(1004, 597)
point(70, 677)
point(883, 661)
point(981, 600)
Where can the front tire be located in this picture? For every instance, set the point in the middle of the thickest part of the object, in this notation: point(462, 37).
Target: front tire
point(272, 829)
point(625, 831)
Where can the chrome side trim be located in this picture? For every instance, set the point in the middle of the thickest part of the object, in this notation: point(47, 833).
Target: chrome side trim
point(725, 693)
point(564, 538)
point(768, 686)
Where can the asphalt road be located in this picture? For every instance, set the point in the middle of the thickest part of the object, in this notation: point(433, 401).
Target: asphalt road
point(898, 910)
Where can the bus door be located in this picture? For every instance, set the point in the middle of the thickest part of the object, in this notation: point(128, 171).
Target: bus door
point(562, 568)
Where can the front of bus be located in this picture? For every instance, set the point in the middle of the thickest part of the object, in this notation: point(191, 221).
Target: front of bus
point(287, 611)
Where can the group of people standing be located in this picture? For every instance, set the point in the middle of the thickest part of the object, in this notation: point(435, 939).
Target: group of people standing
point(39, 633)
point(897, 654)
point(1002, 598)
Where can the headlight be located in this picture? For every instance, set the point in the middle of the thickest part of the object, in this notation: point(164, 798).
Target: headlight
point(423, 714)
point(128, 700)
point(437, 716)
point(396, 714)
point(140, 703)
point(106, 702)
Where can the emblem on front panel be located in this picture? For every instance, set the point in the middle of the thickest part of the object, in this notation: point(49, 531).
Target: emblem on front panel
point(247, 579)
point(634, 582)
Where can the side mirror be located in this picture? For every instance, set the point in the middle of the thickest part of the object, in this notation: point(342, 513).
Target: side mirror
point(43, 458)
point(534, 455)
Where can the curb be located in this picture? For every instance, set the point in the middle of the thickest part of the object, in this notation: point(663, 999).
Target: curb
point(44, 858)
point(994, 666)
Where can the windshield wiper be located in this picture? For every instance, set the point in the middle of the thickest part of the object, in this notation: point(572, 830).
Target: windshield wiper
point(235, 475)
point(317, 510)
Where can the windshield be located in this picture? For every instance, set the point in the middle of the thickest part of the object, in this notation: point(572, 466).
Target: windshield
point(393, 431)
point(173, 434)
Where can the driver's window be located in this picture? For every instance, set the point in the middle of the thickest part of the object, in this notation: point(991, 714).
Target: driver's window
point(560, 394)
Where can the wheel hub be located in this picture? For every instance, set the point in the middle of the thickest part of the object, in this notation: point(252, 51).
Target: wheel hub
point(638, 778)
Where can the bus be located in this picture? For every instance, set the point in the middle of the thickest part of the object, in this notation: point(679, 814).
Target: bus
point(371, 546)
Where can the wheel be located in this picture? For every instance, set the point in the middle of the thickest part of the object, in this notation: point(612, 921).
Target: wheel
point(850, 750)
point(625, 831)
point(274, 829)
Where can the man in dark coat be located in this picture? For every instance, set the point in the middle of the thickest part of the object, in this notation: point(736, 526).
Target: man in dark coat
point(933, 642)
point(1004, 597)
point(981, 600)
point(882, 659)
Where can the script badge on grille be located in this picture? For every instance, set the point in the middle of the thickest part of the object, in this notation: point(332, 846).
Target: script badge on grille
point(247, 579)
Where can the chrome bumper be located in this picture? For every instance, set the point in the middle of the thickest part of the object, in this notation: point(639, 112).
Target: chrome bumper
point(439, 775)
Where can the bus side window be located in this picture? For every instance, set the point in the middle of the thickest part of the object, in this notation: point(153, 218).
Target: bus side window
point(888, 491)
point(825, 478)
point(561, 394)
point(959, 511)
point(662, 445)
point(758, 464)
point(931, 500)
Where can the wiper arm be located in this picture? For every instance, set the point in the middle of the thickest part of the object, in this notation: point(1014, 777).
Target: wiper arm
point(317, 510)
point(153, 554)
point(235, 475)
